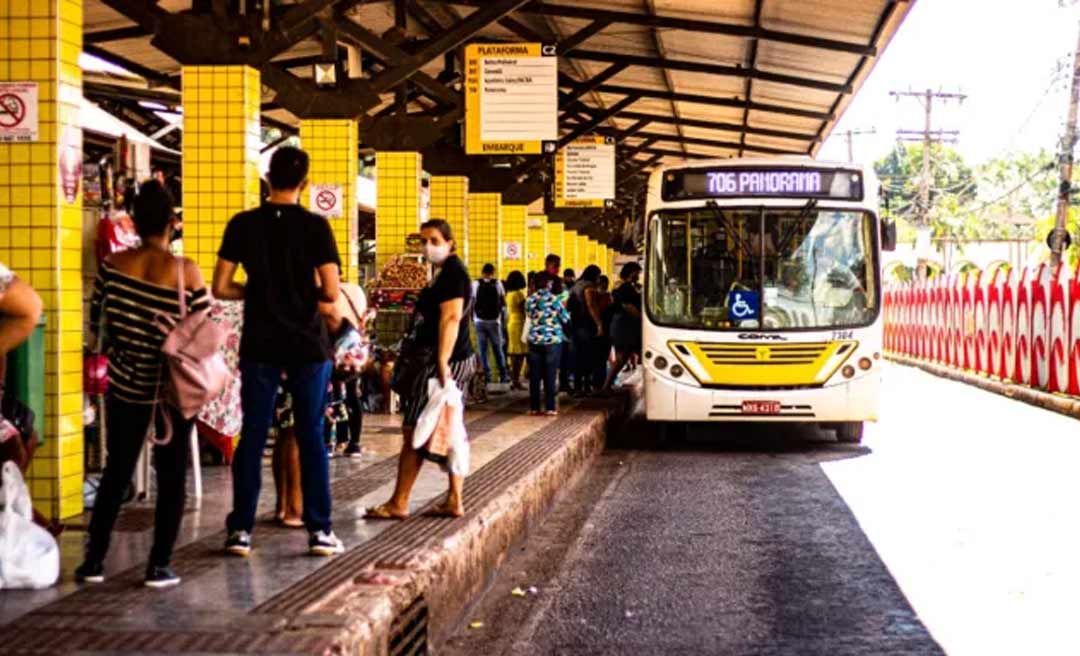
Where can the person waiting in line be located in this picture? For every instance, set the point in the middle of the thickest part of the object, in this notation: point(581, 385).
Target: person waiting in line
point(585, 326)
point(440, 327)
point(551, 265)
point(515, 325)
point(133, 290)
point(489, 310)
point(626, 322)
point(566, 358)
point(601, 348)
point(547, 315)
point(282, 247)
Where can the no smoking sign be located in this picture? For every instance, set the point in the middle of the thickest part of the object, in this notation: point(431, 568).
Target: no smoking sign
point(326, 200)
point(18, 111)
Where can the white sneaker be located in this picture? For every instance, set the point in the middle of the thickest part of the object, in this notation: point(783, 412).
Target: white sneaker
point(325, 543)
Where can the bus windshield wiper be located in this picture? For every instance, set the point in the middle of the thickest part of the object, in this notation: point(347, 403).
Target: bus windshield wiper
point(740, 244)
point(790, 236)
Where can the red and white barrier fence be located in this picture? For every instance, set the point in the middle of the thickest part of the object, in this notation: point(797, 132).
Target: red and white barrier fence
point(1022, 327)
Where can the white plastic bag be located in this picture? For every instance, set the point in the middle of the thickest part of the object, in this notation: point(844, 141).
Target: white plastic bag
point(439, 396)
point(29, 556)
point(526, 328)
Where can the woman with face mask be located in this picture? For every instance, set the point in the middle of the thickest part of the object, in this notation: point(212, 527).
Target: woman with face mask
point(440, 324)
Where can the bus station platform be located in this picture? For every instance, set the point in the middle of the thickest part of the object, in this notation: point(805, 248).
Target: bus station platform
point(400, 587)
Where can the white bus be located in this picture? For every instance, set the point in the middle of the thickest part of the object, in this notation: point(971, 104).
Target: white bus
point(762, 293)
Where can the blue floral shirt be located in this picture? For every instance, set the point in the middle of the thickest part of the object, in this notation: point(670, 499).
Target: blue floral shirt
point(547, 314)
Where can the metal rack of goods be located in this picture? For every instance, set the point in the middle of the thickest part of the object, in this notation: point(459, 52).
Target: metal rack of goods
point(394, 293)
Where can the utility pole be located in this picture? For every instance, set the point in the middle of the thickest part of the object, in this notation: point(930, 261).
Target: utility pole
point(1068, 143)
point(928, 136)
point(848, 137)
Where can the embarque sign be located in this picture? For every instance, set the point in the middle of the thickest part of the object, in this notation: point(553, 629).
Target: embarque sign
point(585, 173)
point(511, 98)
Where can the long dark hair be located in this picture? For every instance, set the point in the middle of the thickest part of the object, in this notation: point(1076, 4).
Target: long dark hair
point(515, 281)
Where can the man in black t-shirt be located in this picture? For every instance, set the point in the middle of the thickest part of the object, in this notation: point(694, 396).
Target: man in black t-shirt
point(292, 265)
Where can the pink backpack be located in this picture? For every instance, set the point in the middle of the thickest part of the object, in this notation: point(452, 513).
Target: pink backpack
point(196, 367)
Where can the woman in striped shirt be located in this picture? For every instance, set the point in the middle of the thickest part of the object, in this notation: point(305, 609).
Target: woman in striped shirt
point(134, 288)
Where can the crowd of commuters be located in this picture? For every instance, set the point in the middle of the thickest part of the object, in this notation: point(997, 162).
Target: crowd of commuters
point(566, 326)
point(558, 324)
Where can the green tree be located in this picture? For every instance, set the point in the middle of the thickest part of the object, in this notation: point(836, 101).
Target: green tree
point(952, 182)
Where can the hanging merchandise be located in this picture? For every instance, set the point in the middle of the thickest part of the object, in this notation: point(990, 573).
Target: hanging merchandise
point(116, 232)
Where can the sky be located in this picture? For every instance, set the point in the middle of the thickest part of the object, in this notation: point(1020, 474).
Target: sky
point(1012, 58)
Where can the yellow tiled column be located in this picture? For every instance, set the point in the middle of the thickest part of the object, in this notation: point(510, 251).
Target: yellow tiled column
point(485, 231)
point(556, 239)
point(220, 156)
point(450, 201)
point(397, 200)
point(41, 226)
point(513, 233)
point(570, 251)
point(331, 145)
point(536, 242)
point(583, 252)
point(592, 255)
point(602, 258)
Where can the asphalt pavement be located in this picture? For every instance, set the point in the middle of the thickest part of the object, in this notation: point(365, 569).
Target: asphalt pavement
point(950, 530)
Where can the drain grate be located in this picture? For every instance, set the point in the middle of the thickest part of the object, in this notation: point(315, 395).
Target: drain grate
point(409, 630)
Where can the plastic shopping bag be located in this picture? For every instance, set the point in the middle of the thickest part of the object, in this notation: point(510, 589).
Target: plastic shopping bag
point(440, 429)
point(29, 556)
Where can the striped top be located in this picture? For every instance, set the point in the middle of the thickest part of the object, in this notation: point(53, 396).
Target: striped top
point(133, 340)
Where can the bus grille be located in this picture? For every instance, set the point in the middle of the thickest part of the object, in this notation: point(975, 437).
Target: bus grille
point(727, 354)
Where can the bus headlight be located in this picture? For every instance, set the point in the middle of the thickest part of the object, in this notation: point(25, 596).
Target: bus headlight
point(865, 364)
point(676, 370)
point(660, 362)
point(848, 371)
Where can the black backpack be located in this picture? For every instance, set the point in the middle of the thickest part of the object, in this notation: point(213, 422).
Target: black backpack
point(488, 300)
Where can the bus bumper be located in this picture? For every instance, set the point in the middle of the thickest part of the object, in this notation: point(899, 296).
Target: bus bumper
point(856, 400)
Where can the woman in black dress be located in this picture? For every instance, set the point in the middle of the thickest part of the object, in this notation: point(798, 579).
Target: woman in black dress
point(440, 324)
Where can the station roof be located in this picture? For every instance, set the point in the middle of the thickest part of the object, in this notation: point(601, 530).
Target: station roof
point(671, 79)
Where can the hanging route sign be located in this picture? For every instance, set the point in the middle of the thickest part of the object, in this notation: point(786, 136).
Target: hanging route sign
point(18, 111)
point(511, 98)
point(585, 173)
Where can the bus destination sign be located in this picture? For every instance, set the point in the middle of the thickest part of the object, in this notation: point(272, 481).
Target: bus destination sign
point(733, 182)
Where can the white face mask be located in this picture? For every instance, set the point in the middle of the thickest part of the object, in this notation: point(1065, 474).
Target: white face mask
point(436, 254)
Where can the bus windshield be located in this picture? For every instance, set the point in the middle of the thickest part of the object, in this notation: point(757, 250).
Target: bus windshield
point(751, 268)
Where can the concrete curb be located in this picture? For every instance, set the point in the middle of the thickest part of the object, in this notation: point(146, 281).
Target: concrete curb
point(449, 574)
point(1066, 405)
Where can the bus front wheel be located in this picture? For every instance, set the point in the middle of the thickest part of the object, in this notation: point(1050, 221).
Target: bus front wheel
point(850, 432)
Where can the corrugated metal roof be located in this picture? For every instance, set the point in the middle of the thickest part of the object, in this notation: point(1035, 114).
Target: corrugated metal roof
point(719, 78)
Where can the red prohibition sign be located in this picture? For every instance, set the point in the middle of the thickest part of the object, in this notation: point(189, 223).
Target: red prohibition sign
point(326, 200)
point(12, 110)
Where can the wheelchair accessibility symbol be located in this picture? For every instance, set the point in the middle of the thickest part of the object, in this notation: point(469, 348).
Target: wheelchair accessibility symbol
point(743, 305)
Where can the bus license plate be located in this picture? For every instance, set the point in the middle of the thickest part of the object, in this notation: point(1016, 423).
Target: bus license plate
point(761, 407)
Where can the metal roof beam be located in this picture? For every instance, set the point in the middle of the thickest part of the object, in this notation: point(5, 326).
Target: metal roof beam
point(686, 24)
point(119, 34)
point(592, 83)
point(396, 57)
point(151, 75)
point(713, 100)
point(711, 69)
point(451, 38)
point(596, 120)
point(579, 37)
point(714, 125)
point(751, 63)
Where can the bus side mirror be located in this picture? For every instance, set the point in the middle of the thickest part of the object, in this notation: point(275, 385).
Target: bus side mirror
point(888, 236)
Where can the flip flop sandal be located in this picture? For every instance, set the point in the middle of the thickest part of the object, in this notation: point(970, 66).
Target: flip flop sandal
point(382, 511)
point(444, 510)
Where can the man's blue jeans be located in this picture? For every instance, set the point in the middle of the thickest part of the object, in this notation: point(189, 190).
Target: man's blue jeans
point(489, 333)
point(258, 393)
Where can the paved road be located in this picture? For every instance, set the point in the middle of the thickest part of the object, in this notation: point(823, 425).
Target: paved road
point(951, 530)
